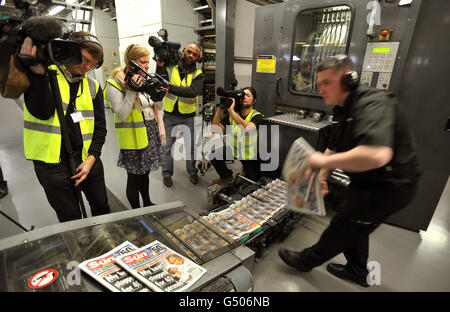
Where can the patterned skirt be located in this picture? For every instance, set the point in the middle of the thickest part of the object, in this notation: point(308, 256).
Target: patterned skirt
point(147, 159)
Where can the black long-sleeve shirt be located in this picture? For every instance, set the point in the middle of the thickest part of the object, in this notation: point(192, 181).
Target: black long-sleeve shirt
point(374, 117)
point(39, 102)
point(192, 91)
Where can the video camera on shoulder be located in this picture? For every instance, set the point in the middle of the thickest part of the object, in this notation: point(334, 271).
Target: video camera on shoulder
point(167, 51)
point(46, 32)
point(227, 97)
point(151, 83)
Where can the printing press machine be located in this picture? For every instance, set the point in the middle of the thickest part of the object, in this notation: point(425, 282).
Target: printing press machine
point(61, 247)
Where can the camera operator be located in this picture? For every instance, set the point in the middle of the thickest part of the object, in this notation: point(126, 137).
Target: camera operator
point(179, 107)
point(244, 127)
point(139, 126)
point(84, 112)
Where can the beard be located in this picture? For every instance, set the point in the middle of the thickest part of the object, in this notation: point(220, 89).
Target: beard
point(187, 65)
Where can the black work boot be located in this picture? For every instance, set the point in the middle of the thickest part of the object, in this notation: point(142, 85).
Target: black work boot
point(293, 259)
point(345, 272)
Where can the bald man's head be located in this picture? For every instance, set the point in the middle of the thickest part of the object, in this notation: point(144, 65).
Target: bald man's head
point(191, 54)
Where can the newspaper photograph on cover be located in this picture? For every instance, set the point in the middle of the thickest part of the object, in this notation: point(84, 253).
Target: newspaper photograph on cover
point(304, 193)
point(105, 271)
point(161, 268)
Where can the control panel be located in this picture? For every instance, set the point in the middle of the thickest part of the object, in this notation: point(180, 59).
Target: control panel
point(378, 64)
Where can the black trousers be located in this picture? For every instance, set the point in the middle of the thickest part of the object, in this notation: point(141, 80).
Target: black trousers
point(2, 182)
point(138, 184)
point(348, 233)
point(252, 168)
point(55, 179)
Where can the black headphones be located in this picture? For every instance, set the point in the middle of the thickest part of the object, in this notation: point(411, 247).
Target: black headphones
point(86, 38)
point(350, 78)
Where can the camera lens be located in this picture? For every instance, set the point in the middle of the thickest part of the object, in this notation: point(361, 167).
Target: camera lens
point(64, 52)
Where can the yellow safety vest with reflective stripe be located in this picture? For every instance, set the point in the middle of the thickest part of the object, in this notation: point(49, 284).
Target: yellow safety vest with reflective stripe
point(245, 143)
point(185, 105)
point(42, 138)
point(131, 133)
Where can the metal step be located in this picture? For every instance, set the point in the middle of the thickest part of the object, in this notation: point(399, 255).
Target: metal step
point(201, 8)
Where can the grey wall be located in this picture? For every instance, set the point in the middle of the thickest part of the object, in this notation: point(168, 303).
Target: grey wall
point(106, 31)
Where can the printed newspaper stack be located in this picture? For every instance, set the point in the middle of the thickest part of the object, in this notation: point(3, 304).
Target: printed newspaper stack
point(304, 189)
point(105, 271)
point(199, 238)
point(252, 211)
point(232, 223)
point(161, 268)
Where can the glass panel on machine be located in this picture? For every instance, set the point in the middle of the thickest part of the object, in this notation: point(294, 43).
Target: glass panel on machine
point(192, 235)
point(319, 33)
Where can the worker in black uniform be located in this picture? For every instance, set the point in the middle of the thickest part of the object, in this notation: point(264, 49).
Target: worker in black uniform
point(371, 142)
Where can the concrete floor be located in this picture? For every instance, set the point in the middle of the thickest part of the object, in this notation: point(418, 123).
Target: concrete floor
point(408, 261)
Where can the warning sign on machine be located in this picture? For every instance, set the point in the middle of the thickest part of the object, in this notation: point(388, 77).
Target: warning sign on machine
point(43, 278)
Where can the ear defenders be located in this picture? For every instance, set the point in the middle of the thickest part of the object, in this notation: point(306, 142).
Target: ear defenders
point(350, 78)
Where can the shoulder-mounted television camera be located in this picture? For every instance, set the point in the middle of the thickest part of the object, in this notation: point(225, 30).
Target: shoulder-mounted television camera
point(46, 33)
point(167, 51)
point(23, 21)
point(151, 83)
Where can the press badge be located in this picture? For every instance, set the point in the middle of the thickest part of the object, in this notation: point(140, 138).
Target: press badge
point(77, 117)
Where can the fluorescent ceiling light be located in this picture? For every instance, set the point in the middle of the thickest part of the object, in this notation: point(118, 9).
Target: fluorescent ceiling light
point(56, 10)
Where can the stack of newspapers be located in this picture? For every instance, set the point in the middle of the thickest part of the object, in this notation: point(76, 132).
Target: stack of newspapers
point(251, 212)
point(154, 267)
point(304, 193)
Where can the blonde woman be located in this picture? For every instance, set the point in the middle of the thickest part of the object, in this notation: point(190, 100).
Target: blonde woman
point(139, 126)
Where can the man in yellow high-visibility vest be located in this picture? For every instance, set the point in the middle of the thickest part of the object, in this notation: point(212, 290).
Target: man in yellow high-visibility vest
point(82, 101)
point(180, 108)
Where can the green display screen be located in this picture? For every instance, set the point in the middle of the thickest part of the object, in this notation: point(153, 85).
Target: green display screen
point(381, 50)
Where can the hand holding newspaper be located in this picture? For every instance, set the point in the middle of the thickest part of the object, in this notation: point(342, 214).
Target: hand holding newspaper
point(304, 189)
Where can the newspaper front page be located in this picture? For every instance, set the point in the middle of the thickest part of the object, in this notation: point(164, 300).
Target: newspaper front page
point(304, 189)
point(105, 271)
point(160, 268)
